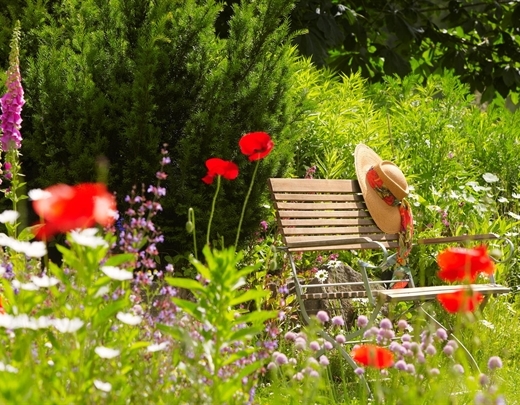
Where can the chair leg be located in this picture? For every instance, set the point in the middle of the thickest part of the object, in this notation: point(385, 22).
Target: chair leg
point(468, 354)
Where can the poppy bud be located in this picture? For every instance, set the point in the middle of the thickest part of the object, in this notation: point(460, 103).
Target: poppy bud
point(273, 265)
point(189, 227)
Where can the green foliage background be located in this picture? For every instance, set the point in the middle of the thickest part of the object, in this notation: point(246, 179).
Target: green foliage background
point(111, 82)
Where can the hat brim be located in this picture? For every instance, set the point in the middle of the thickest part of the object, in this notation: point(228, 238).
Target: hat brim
point(386, 217)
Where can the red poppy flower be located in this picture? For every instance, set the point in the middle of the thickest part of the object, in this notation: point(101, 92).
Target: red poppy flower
point(70, 207)
point(460, 264)
point(464, 300)
point(372, 356)
point(220, 167)
point(256, 145)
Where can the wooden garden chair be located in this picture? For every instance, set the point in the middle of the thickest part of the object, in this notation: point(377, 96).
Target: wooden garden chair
point(331, 215)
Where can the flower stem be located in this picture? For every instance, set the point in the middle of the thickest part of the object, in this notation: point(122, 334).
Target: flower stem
point(191, 217)
point(213, 209)
point(245, 203)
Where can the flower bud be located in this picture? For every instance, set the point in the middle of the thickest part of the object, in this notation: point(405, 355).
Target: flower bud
point(189, 227)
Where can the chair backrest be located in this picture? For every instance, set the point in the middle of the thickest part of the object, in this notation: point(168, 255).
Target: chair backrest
point(313, 214)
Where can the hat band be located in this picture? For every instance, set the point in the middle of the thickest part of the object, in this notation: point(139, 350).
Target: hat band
point(377, 184)
point(406, 232)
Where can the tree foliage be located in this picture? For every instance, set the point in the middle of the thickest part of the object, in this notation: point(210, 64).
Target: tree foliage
point(479, 40)
point(109, 82)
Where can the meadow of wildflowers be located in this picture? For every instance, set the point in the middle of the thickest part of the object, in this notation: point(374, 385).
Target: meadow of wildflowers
point(111, 323)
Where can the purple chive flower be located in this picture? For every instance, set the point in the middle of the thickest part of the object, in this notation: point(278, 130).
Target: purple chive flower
point(431, 350)
point(410, 368)
point(298, 376)
point(271, 365)
point(338, 321)
point(281, 359)
point(327, 345)
point(340, 339)
point(362, 321)
point(400, 365)
point(441, 334)
point(435, 371)
point(291, 336)
point(406, 338)
point(402, 324)
point(264, 225)
point(448, 350)
point(322, 316)
point(483, 380)
point(300, 343)
point(314, 346)
point(458, 368)
point(385, 324)
point(324, 361)
point(494, 362)
point(359, 371)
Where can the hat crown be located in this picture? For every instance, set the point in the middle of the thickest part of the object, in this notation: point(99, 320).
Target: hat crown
point(393, 179)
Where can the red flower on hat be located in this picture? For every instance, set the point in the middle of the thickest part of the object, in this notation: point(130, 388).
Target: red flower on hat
point(256, 145)
point(373, 179)
point(460, 264)
point(464, 300)
point(220, 167)
point(372, 356)
point(64, 208)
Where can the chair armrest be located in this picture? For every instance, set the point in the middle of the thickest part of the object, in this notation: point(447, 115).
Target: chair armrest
point(332, 242)
point(459, 238)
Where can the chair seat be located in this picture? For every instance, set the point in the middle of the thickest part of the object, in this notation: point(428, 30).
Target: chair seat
point(430, 293)
point(335, 295)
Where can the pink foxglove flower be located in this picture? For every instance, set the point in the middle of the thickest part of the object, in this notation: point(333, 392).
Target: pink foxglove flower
point(12, 101)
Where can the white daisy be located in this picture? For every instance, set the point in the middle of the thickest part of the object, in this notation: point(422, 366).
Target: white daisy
point(322, 275)
point(116, 273)
point(106, 352)
point(9, 216)
point(103, 386)
point(38, 194)
point(157, 347)
point(66, 325)
point(129, 319)
point(490, 178)
point(44, 281)
point(87, 237)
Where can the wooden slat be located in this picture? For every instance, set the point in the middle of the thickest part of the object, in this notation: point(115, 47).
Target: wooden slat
point(322, 214)
point(321, 206)
point(356, 246)
point(353, 230)
point(430, 293)
point(314, 185)
point(287, 223)
point(316, 197)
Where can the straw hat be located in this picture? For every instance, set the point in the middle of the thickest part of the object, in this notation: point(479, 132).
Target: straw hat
point(386, 217)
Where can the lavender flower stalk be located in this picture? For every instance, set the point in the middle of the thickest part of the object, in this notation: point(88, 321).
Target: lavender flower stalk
point(12, 101)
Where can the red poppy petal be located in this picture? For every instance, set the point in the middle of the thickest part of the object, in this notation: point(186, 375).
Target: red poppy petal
point(231, 172)
point(459, 264)
point(373, 356)
point(208, 179)
point(256, 145)
point(460, 301)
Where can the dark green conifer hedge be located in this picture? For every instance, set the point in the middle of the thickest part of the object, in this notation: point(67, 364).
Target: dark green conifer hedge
point(118, 79)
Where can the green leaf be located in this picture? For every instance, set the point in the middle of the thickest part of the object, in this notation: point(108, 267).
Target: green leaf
point(249, 295)
point(190, 307)
point(256, 317)
point(170, 330)
point(108, 311)
point(186, 283)
point(139, 345)
point(120, 259)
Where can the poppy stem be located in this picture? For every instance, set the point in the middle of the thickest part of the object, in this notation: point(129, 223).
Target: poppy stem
point(245, 203)
point(191, 218)
point(213, 209)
